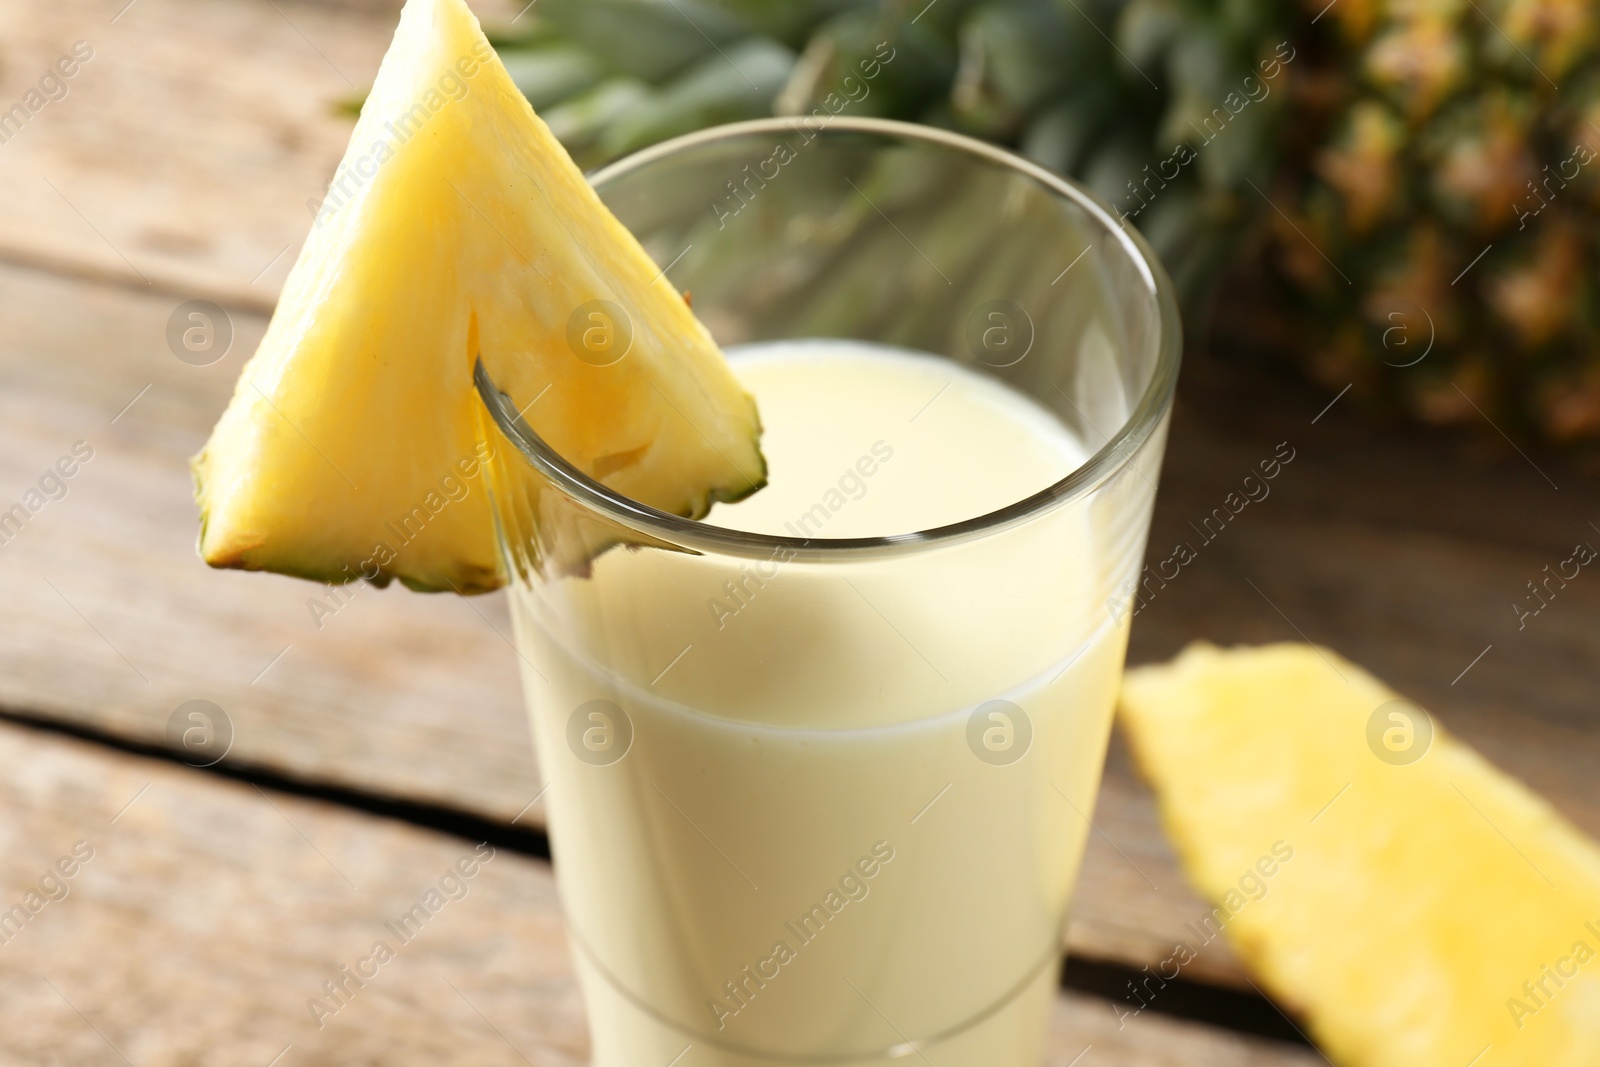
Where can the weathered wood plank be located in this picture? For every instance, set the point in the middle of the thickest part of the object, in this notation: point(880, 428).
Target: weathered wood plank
point(187, 144)
point(1393, 549)
point(208, 913)
point(186, 148)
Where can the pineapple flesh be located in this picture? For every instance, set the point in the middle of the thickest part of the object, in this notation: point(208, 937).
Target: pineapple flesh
point(1433, 912)
point(458, 229)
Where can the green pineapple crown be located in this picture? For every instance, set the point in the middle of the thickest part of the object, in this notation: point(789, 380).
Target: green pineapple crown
point(1340, 164)
point(1110, 91)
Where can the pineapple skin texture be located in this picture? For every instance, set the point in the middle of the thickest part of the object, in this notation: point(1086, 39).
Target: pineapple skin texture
point(1404, 928)
point(1443, 131)
point(456, 227)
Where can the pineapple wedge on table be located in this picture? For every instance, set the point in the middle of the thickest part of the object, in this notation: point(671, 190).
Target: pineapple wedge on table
point(458, 229)
point(1431, 912)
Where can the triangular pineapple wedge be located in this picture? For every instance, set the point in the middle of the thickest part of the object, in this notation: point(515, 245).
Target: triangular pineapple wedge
point(1432, 912)
point(456, 228)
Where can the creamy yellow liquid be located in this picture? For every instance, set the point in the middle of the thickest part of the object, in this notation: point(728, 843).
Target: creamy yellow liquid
point(809, 851)
point(958, 444)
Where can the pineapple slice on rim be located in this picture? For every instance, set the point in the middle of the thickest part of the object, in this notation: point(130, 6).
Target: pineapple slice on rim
point(457, 228)
point(1432, 911)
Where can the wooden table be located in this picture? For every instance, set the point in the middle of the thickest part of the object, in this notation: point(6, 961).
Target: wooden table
point(373, 751)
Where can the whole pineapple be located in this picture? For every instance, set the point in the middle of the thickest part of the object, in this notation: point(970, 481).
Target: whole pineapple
point(1398, 194)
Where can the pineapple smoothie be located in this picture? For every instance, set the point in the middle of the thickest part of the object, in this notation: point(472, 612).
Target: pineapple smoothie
point(813, 799)
point(816, 812)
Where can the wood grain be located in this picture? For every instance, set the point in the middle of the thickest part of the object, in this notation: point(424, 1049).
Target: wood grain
point(210, 912)
point(150, 169)
point(184, 153)
point(178, 166)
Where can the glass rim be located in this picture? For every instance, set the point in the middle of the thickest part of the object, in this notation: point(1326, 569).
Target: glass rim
point(709, 538)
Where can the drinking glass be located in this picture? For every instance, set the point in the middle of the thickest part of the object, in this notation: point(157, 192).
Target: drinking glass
point(841, 825)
